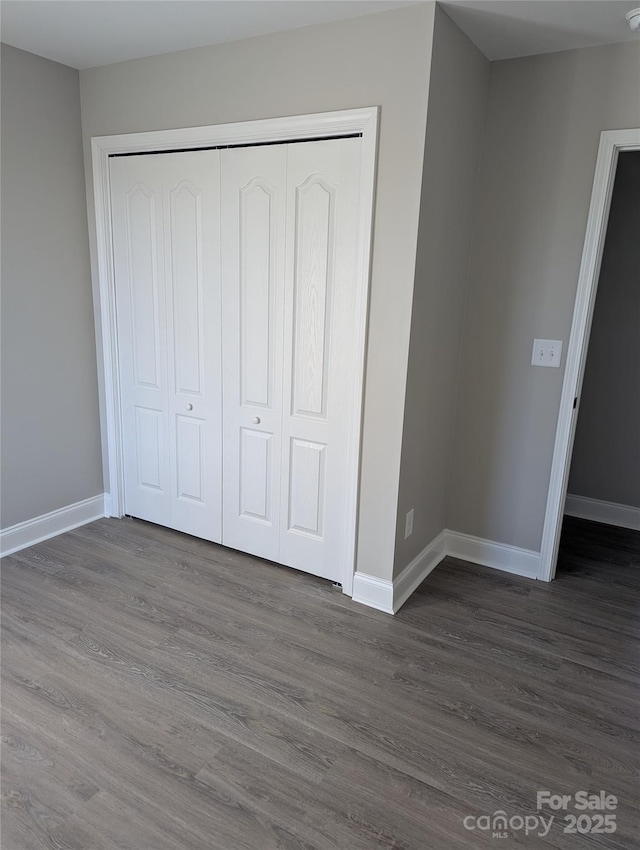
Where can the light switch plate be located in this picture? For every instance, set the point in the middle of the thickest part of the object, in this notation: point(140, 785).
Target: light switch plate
point(546, 352)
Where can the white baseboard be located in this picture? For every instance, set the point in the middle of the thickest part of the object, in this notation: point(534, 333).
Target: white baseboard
point(25, 534)
point(389, 596)
point(624, 516)
point(382, 594)
point(374, 592)
point(498, 556)
point(416, 572)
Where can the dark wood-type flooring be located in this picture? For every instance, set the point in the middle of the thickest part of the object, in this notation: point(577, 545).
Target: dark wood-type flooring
point(162, 693)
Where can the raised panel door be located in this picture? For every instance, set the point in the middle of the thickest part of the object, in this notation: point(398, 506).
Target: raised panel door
point(192, 279)
point(253, 231)
point(320, 283)
point(166, 229)
point(137, 212)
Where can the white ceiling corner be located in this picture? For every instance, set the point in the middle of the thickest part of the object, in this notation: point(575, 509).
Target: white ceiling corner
point(505, 29)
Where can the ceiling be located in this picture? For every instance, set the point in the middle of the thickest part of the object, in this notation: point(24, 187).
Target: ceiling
point(504, 29)
point(87, 33)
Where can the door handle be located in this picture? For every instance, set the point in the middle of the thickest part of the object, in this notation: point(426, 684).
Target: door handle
point(189, 406)
point(256, 420)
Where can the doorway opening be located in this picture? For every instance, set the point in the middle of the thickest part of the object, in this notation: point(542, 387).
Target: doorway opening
point(608, 369)
point(602, 507)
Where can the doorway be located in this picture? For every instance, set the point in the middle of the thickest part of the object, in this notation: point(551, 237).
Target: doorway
point(600, 463)
point(604, 477)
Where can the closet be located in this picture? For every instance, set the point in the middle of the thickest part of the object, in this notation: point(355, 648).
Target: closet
point(235, 305)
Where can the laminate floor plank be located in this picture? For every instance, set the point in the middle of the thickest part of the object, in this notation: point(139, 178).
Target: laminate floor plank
point(166, 794)
point(329, 713)
point(163, 692)
point(325, 708)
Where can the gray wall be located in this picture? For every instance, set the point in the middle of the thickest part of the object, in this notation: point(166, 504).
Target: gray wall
point(544, 120)
point(50, 426)
point(378, 59)
point(458, 89)
point(606, 454)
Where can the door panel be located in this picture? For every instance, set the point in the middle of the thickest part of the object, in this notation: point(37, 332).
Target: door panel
point(141, 215)
point(185, 224)
point(313, 269)
point(166, 257)
point(256, 285)
point(255, 474)
point(306, 488)
point(149, 448)
point(190, 433)
point(322, 250)
point(253, 200)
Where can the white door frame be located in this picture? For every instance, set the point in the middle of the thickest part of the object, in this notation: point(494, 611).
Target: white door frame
point(612, 142)
point(319, 125)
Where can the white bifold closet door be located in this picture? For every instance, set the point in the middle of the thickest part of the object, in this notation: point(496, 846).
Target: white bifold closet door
point(260, 377)
point(166, 234)
point(253, 338)
point(289, 256)
point(321, 407)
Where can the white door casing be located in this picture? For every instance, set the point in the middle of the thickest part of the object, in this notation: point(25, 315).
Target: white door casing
point(166, 259)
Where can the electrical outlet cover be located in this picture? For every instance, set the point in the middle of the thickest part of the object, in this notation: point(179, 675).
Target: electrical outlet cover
point(408, 524)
